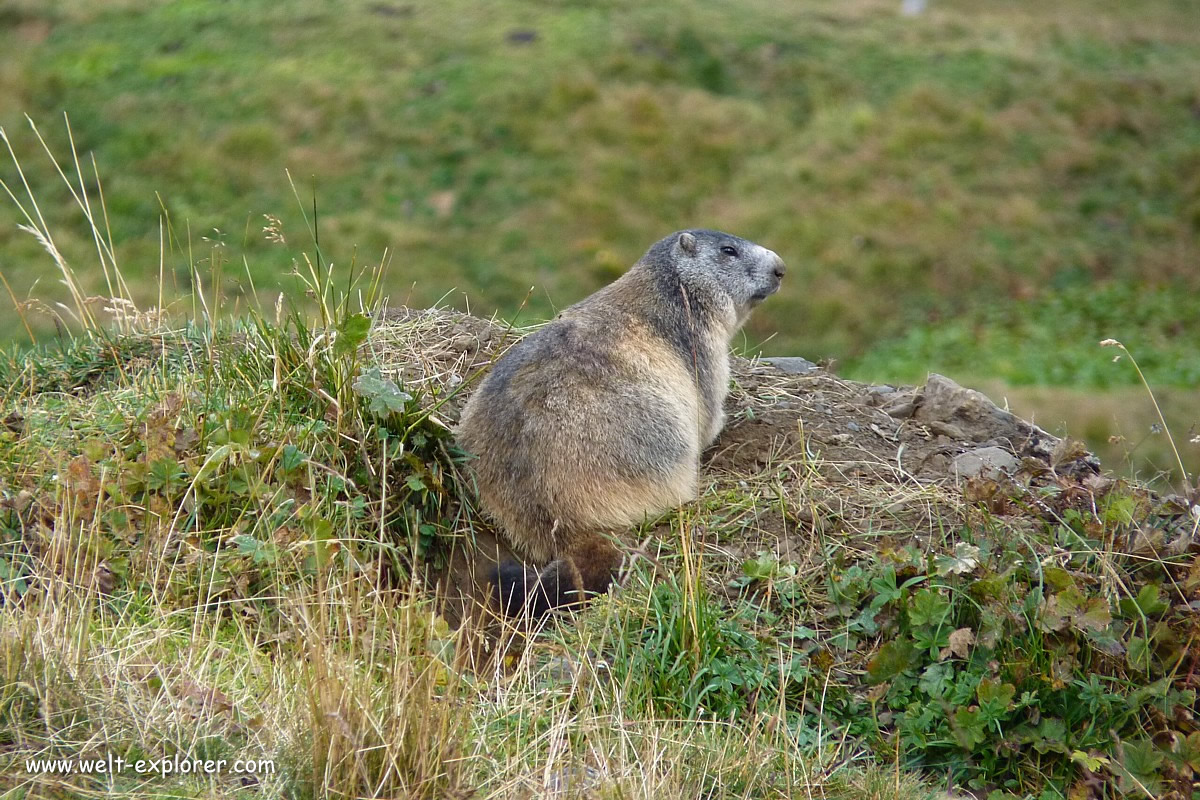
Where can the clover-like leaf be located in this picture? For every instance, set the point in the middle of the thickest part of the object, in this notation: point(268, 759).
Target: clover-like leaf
point(936, 680)
point(928, 608)
point(995, 698)
point(351, 332)
point(1058, 608)
point(892, 659)
point(383, 396)
point(165, 474)
point(969, 728)
point(1187, 751)
point(1051, 736)
point(763, 567)
point(1095, 616)
point(1138, 767)
point(963, 562)
point(1089, 761)
point(1139, 654)
point(932, 639)
point(291, 458)
point(1147, 603)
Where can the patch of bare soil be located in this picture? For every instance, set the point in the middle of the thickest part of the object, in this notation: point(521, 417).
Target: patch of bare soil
point(936, 432)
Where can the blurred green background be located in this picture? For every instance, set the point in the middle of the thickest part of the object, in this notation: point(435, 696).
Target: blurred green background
point(984, 189)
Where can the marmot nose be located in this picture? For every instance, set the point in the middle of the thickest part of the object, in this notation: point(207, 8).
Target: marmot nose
point(779, 267)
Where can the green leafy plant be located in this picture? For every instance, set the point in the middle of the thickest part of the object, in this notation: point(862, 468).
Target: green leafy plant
point(993, 670)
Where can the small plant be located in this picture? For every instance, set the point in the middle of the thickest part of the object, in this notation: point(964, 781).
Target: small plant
point(668, 666)
point(994, 665)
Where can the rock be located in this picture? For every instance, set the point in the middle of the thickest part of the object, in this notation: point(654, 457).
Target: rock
point(949, 430)
point(901, 408)
point(987, 462)
point(942, 402)
point(937, 464)
point(878, 431)
point(390, 10)
point(970, 417)
point(793, 365)
point(561, 671)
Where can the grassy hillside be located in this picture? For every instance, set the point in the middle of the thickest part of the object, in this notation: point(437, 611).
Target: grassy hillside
point(209, 547)
point(946, 171)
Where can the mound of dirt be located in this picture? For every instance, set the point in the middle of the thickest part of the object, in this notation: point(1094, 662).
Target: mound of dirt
point(936, 432)
point(834, 452)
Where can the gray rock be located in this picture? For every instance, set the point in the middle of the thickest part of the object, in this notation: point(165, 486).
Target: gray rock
point(793, 365)
point(969, 418)
point(902, 408)
point(977, 418)
point(987, 462)
point(522, 36)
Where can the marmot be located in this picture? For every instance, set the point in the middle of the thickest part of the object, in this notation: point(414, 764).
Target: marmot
point(598, 419)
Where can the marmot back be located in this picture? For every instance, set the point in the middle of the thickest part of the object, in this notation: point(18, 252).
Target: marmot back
point(598, 419)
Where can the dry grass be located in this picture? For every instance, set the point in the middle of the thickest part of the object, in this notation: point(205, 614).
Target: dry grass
point(347, 680)
point(357, 693)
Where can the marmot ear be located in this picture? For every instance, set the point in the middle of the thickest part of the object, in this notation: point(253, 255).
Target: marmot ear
point(687, 243)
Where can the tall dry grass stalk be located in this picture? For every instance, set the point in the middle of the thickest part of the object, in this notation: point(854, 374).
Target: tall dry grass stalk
point(35, 225)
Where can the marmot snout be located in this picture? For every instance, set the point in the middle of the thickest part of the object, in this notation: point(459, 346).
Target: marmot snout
point(598, 419)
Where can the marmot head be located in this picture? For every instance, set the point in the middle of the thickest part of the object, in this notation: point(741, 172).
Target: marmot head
point(741, 270)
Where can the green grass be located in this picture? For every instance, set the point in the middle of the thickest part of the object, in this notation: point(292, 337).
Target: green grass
point(1052, 340)
point(207, 539)
point(917, 174)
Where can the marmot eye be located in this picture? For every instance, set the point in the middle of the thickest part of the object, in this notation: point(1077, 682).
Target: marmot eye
point(729, 251)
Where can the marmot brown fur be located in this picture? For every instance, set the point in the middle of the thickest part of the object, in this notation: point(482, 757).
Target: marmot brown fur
point(598, 419)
